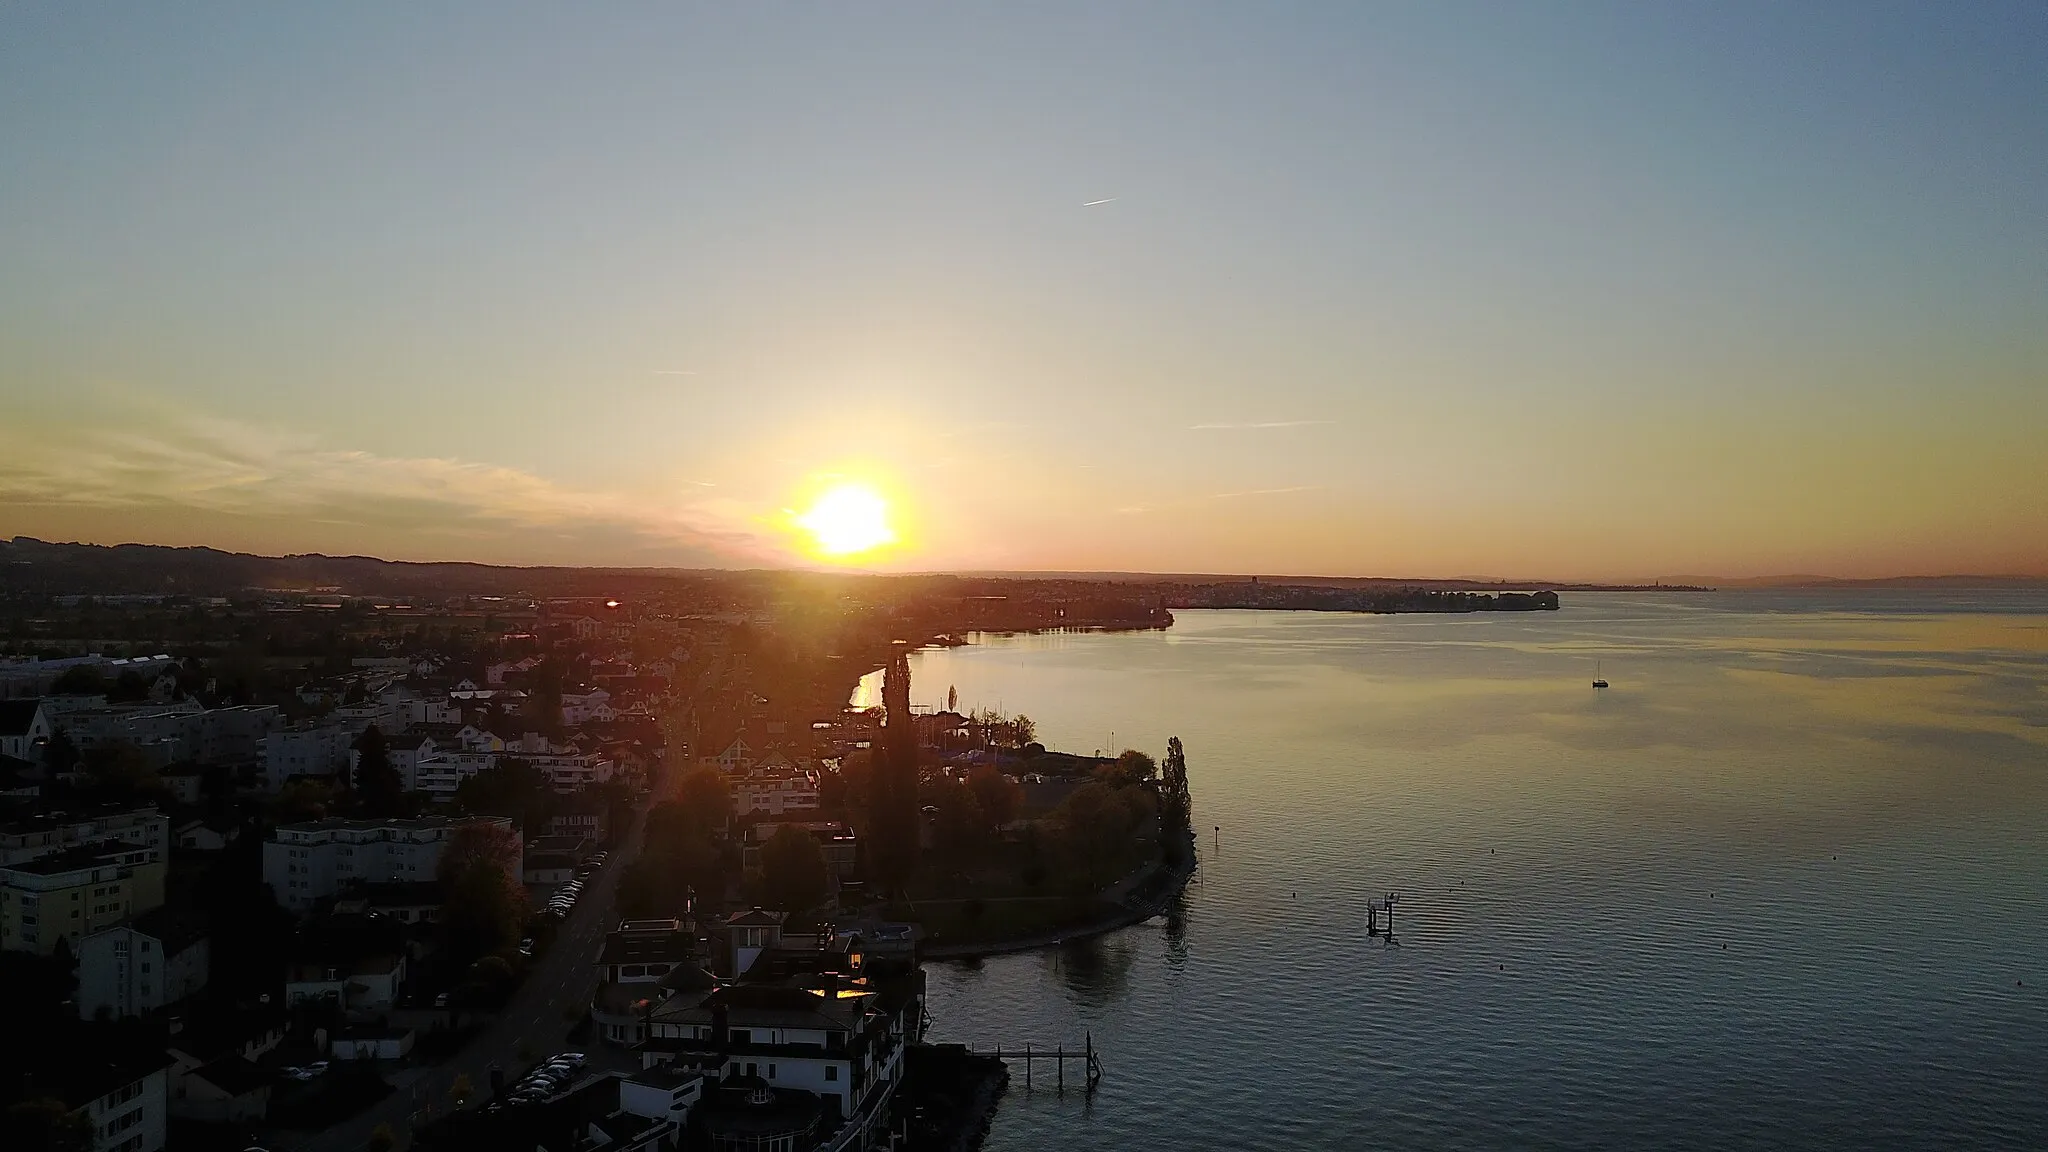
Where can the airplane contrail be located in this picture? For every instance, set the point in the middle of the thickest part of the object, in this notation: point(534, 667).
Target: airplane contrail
point(1093, 203)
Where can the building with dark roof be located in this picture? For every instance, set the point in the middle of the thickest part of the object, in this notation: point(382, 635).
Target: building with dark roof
point(231, 1090)
point(131, 969)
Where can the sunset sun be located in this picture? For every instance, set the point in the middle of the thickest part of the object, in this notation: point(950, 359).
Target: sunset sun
point(847, 519)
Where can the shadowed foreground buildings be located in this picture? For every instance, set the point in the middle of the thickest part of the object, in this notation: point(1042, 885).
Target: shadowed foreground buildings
point(793, 1043)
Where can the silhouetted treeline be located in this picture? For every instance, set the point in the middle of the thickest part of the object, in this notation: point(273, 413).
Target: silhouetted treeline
point(1299, 597)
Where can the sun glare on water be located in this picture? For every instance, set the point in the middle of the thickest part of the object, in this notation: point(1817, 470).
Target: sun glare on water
point(846, 520)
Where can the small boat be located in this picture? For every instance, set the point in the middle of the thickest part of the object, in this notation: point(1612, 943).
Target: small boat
point(1599, 681)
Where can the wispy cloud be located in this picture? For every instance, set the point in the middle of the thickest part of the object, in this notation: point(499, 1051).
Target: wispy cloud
point(1255, 424)
point(1264, 491)
point(188, 468)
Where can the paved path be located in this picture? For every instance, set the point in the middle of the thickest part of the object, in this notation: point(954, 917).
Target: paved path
point(555, 994)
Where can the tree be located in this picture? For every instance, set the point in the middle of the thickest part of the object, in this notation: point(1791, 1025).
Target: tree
point(962, 830)
point(1131, 767)
point(482, 912)
point(480, 844)
point(46, 1124)
point(703, 801)
point(996, 794)
point(892, 799)
point(1175, 803)
point(1098, 827)
point(379, 789)
point(118, 771)
point(382, 1139)
point(128, 688)
point(514, 788)
point(793, 870)
point(60, 755)
point(79, 680)
point(302, 800)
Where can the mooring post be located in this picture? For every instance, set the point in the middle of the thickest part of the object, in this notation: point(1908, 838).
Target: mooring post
point(1061, 1061)
point(1027, 1067)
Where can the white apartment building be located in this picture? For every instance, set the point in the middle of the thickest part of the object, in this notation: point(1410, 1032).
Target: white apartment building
point(234, 735)
point(311, 861)
point(307, 750)
point(128, 1109)
point(135, 968)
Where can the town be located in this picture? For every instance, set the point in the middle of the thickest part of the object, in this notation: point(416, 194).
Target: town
point(489, 859)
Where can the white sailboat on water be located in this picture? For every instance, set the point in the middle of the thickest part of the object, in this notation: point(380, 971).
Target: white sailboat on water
point(1599, 681)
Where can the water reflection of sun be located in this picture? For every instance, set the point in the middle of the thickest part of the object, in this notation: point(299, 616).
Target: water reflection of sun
point(847, 520)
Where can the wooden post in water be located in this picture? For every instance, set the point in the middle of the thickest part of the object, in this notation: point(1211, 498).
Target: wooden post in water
point(1061, 1064)
point(1027, 1067)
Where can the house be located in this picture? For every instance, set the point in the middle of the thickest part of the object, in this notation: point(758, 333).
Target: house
point(641, 963)
point(750, 933)
point(367, 984)
point(737, 757)
point(136, 968)
point(584, 817)
point(230, 1090)
point(205, 835)
point(20, 779)
point(821, 1049)
point(404, 752)
point(645, 1112)
point(407, 902)
point(215, 1036)
point(585, 707)
point(370, 1043)
point(550, 868)
point(250, 1033)
point(183, 781)
point(781, 790)
point(25, 726)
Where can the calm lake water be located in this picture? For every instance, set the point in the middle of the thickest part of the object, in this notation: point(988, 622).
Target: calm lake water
point(1784, 884)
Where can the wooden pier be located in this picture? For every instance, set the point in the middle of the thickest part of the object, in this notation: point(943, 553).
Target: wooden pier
point(1089, 1060)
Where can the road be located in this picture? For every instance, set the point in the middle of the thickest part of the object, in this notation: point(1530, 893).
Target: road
point(555, 994)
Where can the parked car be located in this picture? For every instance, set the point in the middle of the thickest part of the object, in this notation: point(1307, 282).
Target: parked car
point(440, 999)
point(317, 1067)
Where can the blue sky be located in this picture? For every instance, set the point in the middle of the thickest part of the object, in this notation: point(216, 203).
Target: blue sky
point(1576, 290)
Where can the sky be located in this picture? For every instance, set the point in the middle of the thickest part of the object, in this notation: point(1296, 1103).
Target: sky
point(1569, 290)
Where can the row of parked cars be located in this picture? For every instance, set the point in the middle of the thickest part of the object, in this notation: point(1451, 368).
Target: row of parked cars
point(294, 1072)
point(563, 901)
point(547, 1078)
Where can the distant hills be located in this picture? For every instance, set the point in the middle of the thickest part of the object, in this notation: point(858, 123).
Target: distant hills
point(28, 565)
point(32, 566)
